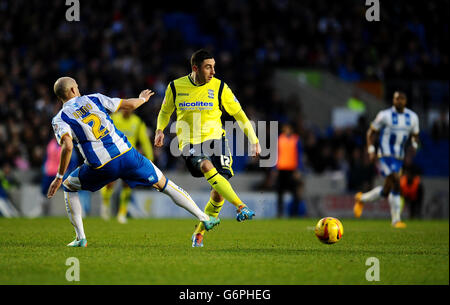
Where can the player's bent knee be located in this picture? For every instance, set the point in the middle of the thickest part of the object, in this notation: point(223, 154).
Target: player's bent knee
point(390, 178)
point(206, 165)
point(72, 184)
point(161, 184)
point(111, 185)
point(394, 178)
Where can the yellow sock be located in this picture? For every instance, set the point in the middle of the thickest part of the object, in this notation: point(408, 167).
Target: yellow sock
point(106, 195)
point(212, 208)
point(125, 196)
point(223, 187)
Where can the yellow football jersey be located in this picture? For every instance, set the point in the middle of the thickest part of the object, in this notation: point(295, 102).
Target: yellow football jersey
point(198, 108)
point(135, 130)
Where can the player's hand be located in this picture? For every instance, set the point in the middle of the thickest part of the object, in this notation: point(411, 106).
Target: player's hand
point(146, 94)
point(54, 187)
point(255, 150)
point(159, 138)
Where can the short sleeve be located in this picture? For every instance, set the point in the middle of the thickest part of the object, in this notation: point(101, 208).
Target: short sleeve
point(60, 128)
point(168, 104)
point(229, 101)
point(111, 104)
point(379, 121)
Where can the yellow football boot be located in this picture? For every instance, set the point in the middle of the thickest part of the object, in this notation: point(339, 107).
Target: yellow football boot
point(399, 225)
point(359, 205)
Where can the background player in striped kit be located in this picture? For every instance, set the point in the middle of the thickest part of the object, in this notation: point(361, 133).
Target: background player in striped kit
point(394, 127)
point(108, 154)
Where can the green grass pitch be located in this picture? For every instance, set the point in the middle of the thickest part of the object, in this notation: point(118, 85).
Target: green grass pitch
point(258, 252)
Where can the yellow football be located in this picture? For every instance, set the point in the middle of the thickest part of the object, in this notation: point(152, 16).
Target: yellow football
point(329, 230)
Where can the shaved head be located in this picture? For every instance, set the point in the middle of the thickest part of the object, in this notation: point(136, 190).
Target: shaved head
point(65, 88)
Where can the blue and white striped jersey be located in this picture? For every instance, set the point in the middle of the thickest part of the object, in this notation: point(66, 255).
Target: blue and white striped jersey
point(395, 128)
point(86, 119)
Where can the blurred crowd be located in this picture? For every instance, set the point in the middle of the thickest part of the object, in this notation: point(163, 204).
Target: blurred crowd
point(118, 48)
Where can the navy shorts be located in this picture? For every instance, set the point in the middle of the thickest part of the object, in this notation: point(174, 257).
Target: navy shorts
point(222, 161)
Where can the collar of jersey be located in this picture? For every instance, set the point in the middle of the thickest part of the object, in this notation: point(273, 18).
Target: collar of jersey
point(69, 101)
point(192, 81)
point(395, 110)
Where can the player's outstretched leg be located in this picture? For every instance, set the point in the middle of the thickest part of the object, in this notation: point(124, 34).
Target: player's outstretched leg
point(361, 198)
point(224, 188)
point(184, 200)
point(74, 211)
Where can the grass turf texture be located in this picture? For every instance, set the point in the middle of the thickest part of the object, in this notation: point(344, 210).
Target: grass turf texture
point(158, 251)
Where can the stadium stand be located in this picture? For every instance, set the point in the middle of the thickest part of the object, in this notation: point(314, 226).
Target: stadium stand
point(119, 49)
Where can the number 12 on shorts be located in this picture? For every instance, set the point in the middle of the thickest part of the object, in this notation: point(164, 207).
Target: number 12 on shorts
point(225, 161)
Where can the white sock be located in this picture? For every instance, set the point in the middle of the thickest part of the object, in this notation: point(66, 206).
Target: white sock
point(372, 195)
point(74, 211)
point(395, 203)
point(184, 200)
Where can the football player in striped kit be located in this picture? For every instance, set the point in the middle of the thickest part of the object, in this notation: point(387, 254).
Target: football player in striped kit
point(394, 126)
point(108, 154)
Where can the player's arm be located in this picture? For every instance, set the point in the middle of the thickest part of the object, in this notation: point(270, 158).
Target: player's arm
point(247, 128)
point(167, 108)
point(66, 154)
point(373, 133)
point(415, 134)
point(233, 108)
point(371, 138)
point(415, 141)
point(134, 103)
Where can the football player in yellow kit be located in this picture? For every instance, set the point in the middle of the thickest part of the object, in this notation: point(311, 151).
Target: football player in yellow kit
point(199, 99)
point(136, 131)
